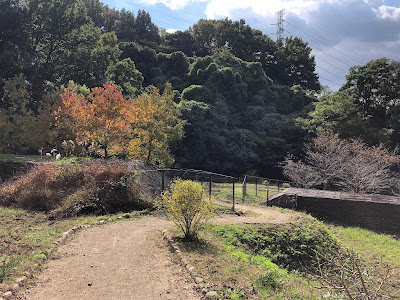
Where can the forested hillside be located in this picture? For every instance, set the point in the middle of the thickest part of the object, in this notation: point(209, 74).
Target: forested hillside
point(244, 100)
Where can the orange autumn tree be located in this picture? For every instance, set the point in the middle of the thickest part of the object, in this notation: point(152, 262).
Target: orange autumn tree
point(102, 119)
point(157, 126)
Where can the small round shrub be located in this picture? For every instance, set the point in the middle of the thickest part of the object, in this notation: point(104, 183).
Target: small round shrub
point(187, 206)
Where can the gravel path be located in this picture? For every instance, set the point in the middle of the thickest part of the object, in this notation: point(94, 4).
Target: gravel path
point(126, 260)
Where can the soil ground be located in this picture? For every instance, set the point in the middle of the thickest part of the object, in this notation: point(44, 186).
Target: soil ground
point(127, 260)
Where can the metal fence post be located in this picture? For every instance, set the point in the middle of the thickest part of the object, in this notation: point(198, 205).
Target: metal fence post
point(163, 181)
point(233, 195)
point(210, 184)
point(256, 185)
point(278, 186)
point(244, 189)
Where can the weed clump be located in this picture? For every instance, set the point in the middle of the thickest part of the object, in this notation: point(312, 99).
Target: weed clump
point(74, 189)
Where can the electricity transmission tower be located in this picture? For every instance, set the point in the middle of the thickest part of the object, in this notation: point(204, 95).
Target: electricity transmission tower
point(279, 27)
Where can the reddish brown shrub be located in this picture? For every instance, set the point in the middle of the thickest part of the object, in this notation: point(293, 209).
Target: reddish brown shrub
point(72, 189)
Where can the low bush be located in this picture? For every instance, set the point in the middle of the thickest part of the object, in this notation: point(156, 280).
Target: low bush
point(187, 206)
point(74, 189)
point(293, 246)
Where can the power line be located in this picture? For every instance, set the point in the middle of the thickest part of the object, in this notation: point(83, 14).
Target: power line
point(329, 81)
point(323, 42)
point(329, 72)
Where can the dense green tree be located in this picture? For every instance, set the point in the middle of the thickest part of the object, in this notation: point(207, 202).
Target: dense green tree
point(125, 28)
point(376, 91)
point(95, 10)
point(104, 55)
point(179, 41)
point(299, 65)
point(78, 58)
point(340, 113)
point(144, 57)
point(247, 119)
point(124, 74)
point(13, 38)
point(146, 31)
point(51, 24)
point(375, 87)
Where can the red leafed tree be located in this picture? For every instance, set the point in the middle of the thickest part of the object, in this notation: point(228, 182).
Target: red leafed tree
point(102, 119)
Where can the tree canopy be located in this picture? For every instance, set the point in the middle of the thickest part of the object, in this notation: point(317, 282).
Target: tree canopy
point(237, 100)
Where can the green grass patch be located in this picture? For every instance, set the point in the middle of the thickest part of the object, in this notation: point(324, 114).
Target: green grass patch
point(18, 158)
point(224, 192)
point(369, 244)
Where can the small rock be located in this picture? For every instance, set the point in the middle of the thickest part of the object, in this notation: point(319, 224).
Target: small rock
point(184, 261)
point(211, 295)
point(194, 274)
point(15, 287)
point(21, 279)
point(188, 266)
point(198, 280)
point(178, 251)
point(204, 291)
point(191, 269)
point(109, 219)
point(7, 295)
point(119, 218)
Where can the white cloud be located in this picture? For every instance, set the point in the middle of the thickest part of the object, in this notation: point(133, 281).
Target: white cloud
point(171, 30)
point(302, 8)
point(388, 12)
point(172, 4)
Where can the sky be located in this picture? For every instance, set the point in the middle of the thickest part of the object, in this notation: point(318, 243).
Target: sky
point(342, 33)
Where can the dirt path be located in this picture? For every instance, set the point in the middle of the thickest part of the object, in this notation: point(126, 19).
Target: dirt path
point(256, 215)
point(127, 260)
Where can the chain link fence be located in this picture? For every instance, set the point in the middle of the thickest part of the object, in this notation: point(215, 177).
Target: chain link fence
point(255, 189)
point(247, 189)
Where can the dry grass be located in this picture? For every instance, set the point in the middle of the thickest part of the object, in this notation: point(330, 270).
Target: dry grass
point(74, 189)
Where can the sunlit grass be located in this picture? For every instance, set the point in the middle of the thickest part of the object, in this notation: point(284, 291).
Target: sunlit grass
point(370, 244)
point(254, 193)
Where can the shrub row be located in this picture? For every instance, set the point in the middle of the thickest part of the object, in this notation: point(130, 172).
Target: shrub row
point(72, 189)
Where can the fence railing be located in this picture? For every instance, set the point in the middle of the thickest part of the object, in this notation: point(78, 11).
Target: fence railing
point(256, 188)
point(222, 187)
